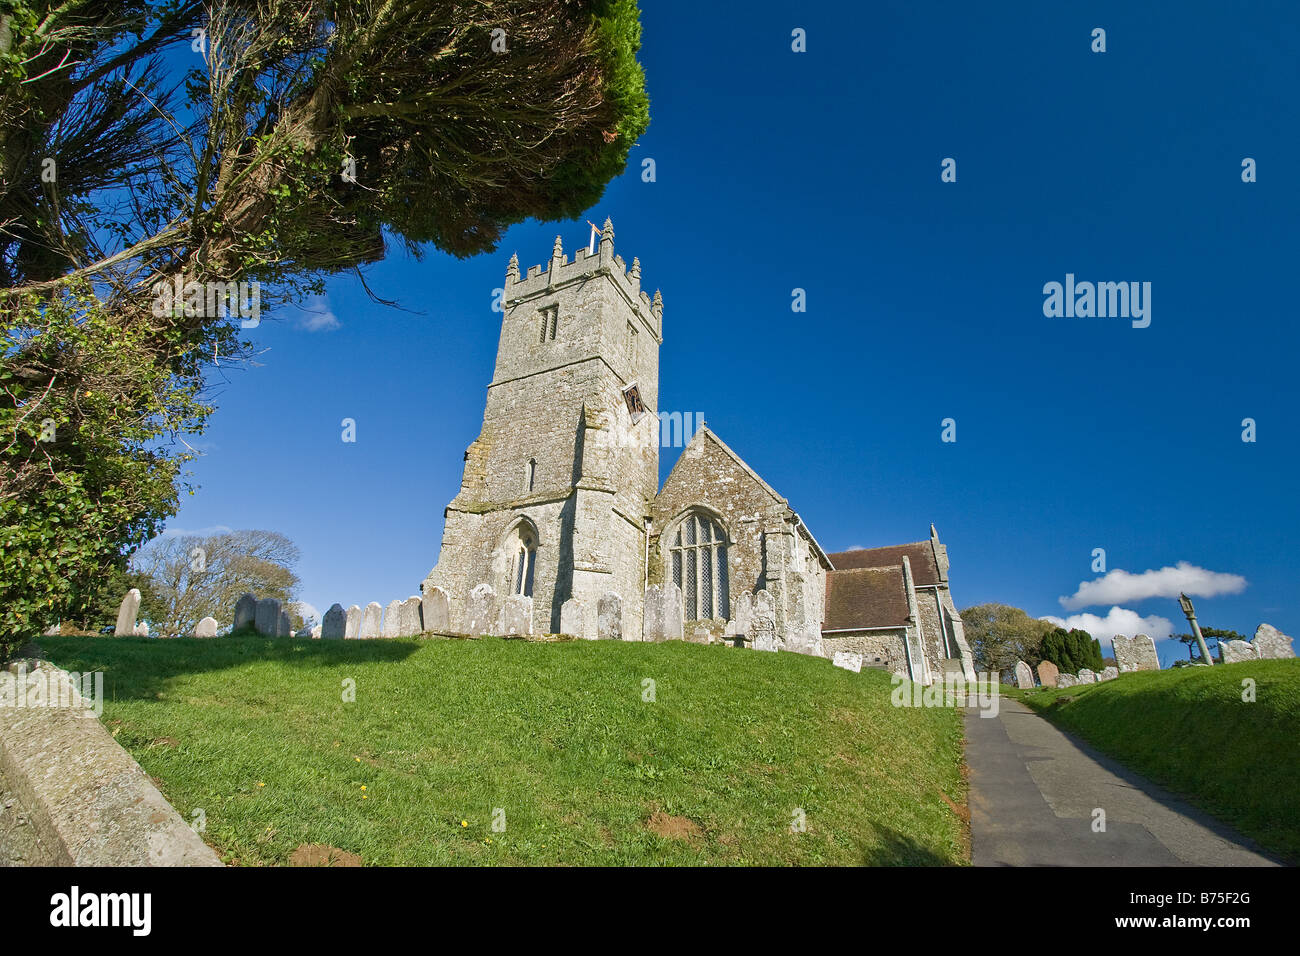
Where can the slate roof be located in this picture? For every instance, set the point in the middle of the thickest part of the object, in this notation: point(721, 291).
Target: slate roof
point(865, 597)
point(919, 554)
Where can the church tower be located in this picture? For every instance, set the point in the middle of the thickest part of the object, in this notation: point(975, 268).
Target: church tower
point(557, 490)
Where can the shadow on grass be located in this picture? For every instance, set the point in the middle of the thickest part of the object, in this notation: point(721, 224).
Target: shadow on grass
point(898, 849)
point(141, 667)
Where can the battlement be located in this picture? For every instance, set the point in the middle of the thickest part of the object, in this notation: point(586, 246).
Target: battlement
point(560, 270)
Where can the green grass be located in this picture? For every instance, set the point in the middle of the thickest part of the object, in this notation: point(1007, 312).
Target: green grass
point(1188, 729)
point(255, 733)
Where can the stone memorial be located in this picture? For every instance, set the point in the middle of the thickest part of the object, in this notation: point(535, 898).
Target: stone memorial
point(268, 617)
point(483, 611)
point(334, 624)
point(141, 630)
point(245, 611)
point(435, 610)
point(206, 627)
point(352, 627)
point(408, 617)
point(286, 625)
point(609, 617)
point(517, 615)
point(1087, 676)
point(662, 619)
point(744, 612)
point(762, 624)
point(126, 613)
point(371, 618)
point(1066, 680)
point(1270, 643)
point(849, 660)
point(805, 641)
point(392, 619)
point(1108, 673)
point(1234, 652)
point(574, 620)
point(1135, 654)
point(1047, 673)
point(1024, 676)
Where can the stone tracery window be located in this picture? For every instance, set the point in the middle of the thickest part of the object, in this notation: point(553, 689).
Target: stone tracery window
point(698, 554)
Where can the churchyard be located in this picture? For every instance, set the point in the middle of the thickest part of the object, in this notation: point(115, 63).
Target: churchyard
point(494, 751)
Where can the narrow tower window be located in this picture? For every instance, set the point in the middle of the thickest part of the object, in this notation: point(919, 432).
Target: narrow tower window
point(550, 320)
point(530, 474)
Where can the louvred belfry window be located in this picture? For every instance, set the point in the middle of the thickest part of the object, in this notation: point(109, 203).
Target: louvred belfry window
point(699, 566)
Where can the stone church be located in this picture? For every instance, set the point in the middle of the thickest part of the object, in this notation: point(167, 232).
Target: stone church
point(560, 516)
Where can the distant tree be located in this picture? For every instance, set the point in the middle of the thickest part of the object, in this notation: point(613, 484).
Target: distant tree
point(193, 576)
point(1000, 634)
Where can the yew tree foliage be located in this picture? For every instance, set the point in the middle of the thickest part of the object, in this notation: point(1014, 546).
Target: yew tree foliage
point(128, 157)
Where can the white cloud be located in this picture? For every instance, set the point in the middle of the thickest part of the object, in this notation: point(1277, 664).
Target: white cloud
point(1122, 587)
point(318, 316)
point(197, 532)
point(1118, 620)
point(307, 611)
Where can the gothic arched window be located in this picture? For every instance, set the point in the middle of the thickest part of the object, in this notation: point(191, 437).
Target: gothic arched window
point(523, 560)
point(698, 553)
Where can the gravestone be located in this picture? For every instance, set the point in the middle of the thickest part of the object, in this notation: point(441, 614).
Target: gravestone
point(762, 624)
point(245, 611)
point(1066, 680)
point(574, 621)
point(408, 617)
point(609, 617)
point(483, 611)
point(1047, 673)
point(1024, 676)
point(662, 620)
point(1108, 673)
point(392, 619)
point(206, 627)
point(744, 613)
point(435, 610)
point(370, 620)
point(805, 642)
point(352, 627)
point(1087, 676)
point(334, 624)
point(517, 614)
point(268, 617)
point(1234, 652)
point(315, 632)
point(286, 625)
point(141, 630)
point(126, 613)
point(1270, 643)
point(849, 660)
point(1135, 653)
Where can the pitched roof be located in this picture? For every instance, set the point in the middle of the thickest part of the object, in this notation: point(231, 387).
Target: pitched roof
point(919, 554)
point(865, 597)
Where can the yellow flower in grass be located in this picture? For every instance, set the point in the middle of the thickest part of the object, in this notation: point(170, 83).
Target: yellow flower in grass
point(260, 784)
point(463, 823)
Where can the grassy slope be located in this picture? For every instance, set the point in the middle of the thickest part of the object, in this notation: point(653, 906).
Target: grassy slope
point(256, 734)
point(1189, 729)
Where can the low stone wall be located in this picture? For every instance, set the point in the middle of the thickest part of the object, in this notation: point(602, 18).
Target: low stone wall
point(69, 794)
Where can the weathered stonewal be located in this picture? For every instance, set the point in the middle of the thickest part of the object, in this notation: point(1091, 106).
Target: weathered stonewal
point(848, 660)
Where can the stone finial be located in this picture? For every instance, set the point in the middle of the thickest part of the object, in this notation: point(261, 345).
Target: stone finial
point(657, 303)
point(512, 270)
point(636, 268)
point(607, 231)
point(557, 250)
point(933, 533)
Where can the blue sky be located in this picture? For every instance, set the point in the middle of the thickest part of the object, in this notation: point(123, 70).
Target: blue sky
point(778, 170)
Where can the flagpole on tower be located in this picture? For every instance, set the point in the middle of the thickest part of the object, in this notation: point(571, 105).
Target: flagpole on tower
point(591, 244)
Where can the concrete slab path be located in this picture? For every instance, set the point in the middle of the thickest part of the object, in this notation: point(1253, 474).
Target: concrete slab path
point(1034, 790)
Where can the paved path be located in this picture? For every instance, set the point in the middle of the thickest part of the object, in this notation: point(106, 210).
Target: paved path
point(1033, 790)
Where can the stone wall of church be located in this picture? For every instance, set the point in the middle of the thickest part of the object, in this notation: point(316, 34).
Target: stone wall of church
point(883, 649)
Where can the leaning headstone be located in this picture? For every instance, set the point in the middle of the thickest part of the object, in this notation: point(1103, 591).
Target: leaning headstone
point(1066, 680)
point(574, 620)
point(1135, 653)
point(1271, 643)
point(1024, 676)
point(408, 617)
point(1108, 673)
point(483, 611)
point(1087, 676)
point(435, 612)
point(286, 625)
point(206, 627)
point(334, 624)
point(245, 611)
point(1047, 673)
point(126, 613)
point(352, 627)
point(268, 617)
point(609, 617)
point(744, 613)
point(849, 660)
point(370, 620)
point(1234, 652)
point(517, 614)
point(662, 619)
